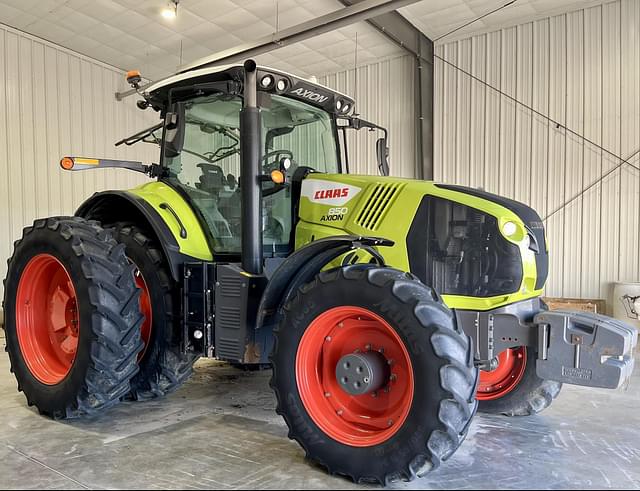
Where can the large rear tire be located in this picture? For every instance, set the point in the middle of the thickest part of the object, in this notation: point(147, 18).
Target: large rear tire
point(72, 321)
point(514, 388)
point(401, 429)
point(163, 366)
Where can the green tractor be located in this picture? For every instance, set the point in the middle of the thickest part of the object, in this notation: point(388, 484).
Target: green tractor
point(389, 309)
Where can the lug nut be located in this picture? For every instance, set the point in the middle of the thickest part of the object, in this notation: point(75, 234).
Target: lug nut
point(327, 339)
point(339, 412)
point(390, 422)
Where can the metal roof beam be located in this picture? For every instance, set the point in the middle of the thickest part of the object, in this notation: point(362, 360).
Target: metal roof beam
point(351, 14)
point(401, 32)
point(361, 11)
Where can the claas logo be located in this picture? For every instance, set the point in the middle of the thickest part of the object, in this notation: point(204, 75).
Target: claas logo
point(331, 193)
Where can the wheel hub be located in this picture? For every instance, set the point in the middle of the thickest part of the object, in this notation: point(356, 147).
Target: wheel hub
point(362, 373)
point(354, 343)
point(47, 319)
point(504, 377)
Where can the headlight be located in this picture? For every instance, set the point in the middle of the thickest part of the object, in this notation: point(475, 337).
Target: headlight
point(509, 228)
point(282, 84)
point(266, 82)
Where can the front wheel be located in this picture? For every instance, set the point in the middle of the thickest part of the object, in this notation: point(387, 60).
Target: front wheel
point(371, 375)
point(514, 388)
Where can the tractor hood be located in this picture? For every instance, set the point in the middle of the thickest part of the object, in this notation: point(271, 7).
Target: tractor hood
point(405, 211)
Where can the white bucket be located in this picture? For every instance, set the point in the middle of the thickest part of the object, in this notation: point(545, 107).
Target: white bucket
point(626, 303)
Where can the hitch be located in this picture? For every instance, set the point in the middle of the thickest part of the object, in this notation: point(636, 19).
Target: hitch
point(587, 349)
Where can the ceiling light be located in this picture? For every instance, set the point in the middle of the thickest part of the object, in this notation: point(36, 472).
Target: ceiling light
point(171, 10)
point(281, 85)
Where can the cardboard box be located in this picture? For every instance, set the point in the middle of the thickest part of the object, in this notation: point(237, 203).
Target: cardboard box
point(596, 306)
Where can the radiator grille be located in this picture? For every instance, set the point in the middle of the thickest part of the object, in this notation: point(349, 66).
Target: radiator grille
point(380, 199)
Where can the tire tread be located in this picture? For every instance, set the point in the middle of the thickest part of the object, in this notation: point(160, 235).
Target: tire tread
point(460, 398)
point(115, 344)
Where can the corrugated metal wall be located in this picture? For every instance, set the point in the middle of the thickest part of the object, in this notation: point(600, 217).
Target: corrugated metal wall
point(52, 103)
point(583, 70)
point(384, 95)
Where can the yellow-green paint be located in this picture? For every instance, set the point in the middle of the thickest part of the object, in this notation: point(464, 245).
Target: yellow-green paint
point(396, 223)
point(195, 245)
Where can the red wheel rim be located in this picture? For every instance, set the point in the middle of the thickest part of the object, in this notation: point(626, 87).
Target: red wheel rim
point(147, 311)
point(363, 420)
point(506, 377)
point(47, 320)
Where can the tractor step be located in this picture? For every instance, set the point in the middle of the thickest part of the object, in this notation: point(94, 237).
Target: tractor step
point(587, 349)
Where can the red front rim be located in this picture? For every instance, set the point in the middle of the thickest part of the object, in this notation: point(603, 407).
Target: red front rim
point(47, 319)
point(362, 420)
point(506, 377)
point(147, 311)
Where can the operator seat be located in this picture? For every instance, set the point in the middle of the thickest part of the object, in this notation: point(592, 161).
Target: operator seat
point(212, 180)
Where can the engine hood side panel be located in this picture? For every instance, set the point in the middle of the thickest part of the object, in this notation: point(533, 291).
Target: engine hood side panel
point(388, 207)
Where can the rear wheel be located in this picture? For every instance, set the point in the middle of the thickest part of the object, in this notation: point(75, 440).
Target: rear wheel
point(514, 388)
point(163, 367)
point(371, 375)
point(72, 317)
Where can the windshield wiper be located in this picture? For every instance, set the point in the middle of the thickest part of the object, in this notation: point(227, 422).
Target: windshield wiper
point(142, 136)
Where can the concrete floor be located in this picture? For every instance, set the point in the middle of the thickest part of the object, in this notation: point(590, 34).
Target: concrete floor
point(220, 431)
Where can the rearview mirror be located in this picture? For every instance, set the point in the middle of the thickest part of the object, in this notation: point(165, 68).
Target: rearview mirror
point(382, 154)
point(173, 140)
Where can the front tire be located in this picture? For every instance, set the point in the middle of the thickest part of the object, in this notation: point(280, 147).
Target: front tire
point(72, 319)
point(420, 414)
point(514, 388)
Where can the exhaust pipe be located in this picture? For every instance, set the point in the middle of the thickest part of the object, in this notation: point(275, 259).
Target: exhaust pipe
point(251, 187)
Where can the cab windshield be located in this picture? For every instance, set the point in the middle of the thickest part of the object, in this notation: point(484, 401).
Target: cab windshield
point(208, 167)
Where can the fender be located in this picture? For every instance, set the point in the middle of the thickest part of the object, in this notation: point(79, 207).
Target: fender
point(303, 265)
point(109, 207)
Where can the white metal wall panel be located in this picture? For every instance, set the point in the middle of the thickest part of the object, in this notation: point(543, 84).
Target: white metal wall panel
point(384, 95)
point(54, 102)
point(583, 70)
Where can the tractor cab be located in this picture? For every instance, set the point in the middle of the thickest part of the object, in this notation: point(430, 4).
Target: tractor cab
point(302, 130)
